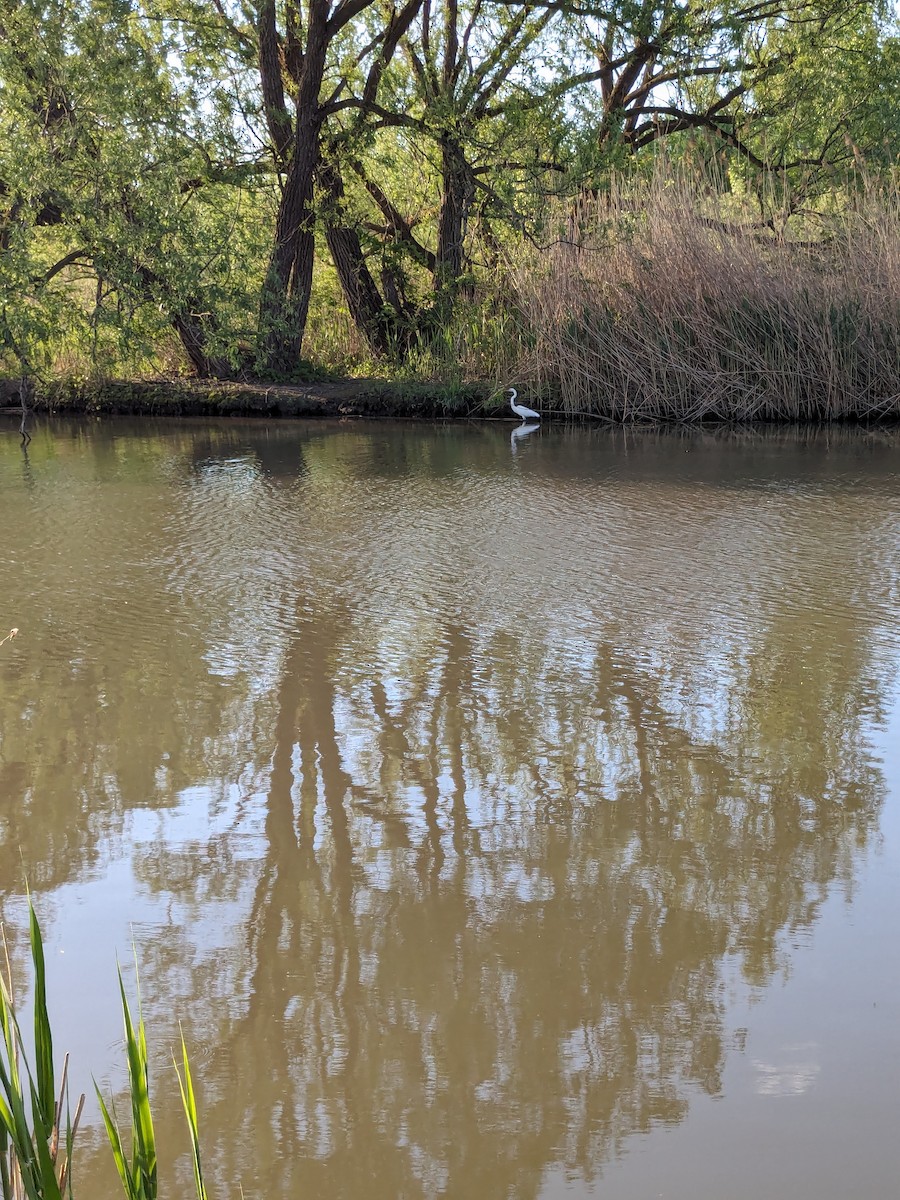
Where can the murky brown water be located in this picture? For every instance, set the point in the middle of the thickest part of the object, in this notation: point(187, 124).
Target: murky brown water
point(499, 818)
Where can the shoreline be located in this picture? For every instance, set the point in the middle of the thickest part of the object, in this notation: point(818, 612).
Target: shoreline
point(216, 398)
point(367, 398)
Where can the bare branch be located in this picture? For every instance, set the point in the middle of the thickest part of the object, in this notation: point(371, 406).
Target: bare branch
point(397, 27)
point(344, 13)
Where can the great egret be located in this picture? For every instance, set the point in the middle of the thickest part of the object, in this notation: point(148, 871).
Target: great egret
point(527, 414)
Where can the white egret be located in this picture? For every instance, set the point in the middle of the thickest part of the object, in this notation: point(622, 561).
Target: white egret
point(527, 414)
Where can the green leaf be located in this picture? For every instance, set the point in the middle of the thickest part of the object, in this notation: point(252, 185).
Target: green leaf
point(115, 1141)
point(43, 1038)
point(188, 1103)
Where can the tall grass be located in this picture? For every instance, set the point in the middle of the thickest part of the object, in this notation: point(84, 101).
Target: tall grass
point(137, 1171)
point(673, 303)
point(35, 1146)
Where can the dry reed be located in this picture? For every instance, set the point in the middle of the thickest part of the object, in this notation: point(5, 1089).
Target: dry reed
point(668, 307)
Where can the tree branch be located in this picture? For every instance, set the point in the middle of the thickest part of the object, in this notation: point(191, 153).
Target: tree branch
point(72, 257)
point(397, 223)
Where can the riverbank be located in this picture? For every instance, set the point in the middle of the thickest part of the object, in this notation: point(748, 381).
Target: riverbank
point(370, 398)
point(214, 398)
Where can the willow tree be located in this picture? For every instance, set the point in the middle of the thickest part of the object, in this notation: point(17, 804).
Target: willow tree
point(165, 164)
point(460, 108)
point(130, 129)
point(105, 231)
point(653, 68)
point(463, 59)
point(302, 85)
point(294, 63)
point(499, 100)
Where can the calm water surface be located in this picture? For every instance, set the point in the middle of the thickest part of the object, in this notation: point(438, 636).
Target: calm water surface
point(499, 817)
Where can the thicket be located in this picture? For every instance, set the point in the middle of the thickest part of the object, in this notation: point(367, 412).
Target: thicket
point(644, 209)
point(666, 307)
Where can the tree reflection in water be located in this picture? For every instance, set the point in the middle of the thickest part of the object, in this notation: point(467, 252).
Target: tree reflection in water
point(479, 879)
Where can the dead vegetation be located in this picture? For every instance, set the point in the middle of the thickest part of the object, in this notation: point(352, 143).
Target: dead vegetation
point(668, 307)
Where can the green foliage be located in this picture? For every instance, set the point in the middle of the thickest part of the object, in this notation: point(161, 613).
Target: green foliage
point(123, 190)
point(35, 1152)
point(140, 187)
point(138, 1172)
point(35, 1149)
point(827, 113)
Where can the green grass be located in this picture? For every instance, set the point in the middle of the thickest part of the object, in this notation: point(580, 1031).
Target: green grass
point(138, 1172)
point(35, 1149)
point(37, 1129)
point(189, 1105)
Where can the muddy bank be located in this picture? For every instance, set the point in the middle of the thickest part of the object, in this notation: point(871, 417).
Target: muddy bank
point(195, 397)
point(371, 398)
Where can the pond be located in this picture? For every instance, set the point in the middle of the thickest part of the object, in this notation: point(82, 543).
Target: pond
point(498, 816)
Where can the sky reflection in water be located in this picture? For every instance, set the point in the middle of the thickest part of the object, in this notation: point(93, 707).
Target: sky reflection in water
point(499, 816)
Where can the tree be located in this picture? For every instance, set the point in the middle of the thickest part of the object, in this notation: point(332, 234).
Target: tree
point(460, 109)
point(103, 224)
point(664, 68)
point(294, 66)
point(166, 166)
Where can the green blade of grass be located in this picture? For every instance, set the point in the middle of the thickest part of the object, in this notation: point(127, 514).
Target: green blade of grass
point(144, 1141)
point(5, 1186)
point(115, 1141)
point(31, 1152)
point(12, 1099)
point(44, 1168)
point(10, 1030)
point(43, 1038)
point(32, 1165)
point(33, 1162)
point(189, 1104)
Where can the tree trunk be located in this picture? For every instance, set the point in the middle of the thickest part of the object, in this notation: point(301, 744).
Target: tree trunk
point(360, 290)
point(284, 304)
point(457, 193)
point(192, 330)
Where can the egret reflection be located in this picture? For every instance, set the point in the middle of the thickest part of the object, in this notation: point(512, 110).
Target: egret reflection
point(521, 431)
